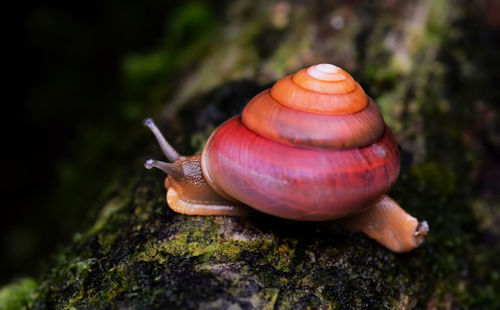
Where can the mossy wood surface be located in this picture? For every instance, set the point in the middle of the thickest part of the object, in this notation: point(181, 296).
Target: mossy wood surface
point(435, 91)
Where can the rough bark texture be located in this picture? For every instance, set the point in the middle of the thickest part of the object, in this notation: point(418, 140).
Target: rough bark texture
point(427, 69)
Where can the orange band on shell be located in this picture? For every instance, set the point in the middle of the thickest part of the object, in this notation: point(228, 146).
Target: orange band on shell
point(266, 117)
point(286, 92)
point(337, 83)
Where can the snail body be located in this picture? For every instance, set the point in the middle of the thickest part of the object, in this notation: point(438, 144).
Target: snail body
point(313, 147)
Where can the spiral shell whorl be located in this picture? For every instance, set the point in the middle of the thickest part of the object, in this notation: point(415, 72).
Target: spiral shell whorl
point(325, 78)
point(320, 106)
point(313, 147)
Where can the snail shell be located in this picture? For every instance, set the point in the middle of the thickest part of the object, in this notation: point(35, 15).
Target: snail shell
point(313, 147)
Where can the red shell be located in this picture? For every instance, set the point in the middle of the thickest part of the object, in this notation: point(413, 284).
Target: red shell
point(313, 147)
point(286, 92)
point(298, 182)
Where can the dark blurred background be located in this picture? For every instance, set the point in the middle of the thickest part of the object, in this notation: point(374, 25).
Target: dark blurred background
point(85, 74)
point(81, 87)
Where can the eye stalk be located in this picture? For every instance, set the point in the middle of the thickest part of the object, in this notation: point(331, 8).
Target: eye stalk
point(163, 166)
point(167, 149)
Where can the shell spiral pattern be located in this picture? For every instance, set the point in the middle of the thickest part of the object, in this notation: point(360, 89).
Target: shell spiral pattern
point(313, 147)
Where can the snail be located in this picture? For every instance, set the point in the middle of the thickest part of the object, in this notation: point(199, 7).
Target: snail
point(313, 147)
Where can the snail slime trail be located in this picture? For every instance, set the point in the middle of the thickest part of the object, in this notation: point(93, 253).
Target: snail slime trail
point(314, 133)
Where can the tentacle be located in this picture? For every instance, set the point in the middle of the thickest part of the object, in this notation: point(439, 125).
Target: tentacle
point(167, 149)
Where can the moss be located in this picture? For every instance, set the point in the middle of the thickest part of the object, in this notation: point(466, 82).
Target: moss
point(18, 294)
point(172, 260)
